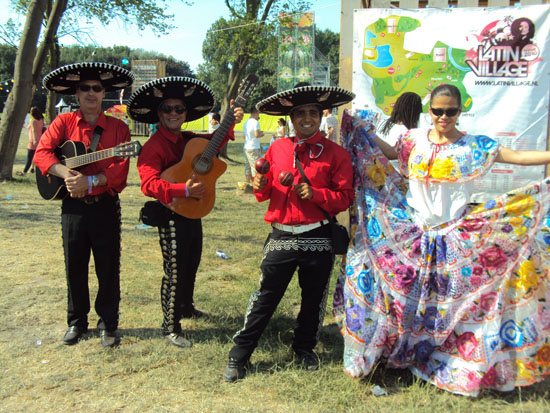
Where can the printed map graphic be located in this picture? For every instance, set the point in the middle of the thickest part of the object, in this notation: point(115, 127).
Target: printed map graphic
point(394, 69)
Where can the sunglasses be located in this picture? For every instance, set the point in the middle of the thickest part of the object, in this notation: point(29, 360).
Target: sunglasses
point(449, 112)
point(86, 88)
point(179, 109)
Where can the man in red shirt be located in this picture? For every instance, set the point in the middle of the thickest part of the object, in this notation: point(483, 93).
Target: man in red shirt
point(172, 101)
point(90, 215)
point(301, 237)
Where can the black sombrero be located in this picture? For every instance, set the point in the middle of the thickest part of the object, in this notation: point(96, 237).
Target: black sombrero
point(197, 97)
point(327, 97)
point(65, 79)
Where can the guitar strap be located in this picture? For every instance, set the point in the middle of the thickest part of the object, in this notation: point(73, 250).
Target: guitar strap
point(95, 138)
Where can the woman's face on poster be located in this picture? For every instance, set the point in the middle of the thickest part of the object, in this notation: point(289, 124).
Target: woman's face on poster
point(524, 28)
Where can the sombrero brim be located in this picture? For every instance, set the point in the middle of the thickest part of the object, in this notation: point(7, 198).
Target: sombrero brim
point(197, 97)
point(326, 97)
point(64, 80)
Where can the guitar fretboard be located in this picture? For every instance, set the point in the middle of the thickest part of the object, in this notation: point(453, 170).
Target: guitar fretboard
point(89, 158)
point(212, 147)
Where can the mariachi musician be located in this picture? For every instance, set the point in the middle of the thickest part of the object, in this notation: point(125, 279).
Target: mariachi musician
point(90, 215)
point(171, 101)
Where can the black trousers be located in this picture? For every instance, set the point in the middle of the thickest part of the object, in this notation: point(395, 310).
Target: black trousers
point(311, 253)
point(30, 156)
point(92, 228)
point(181, 246)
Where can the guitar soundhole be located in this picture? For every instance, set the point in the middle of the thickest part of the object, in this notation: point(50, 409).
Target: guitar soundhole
point(201, 166)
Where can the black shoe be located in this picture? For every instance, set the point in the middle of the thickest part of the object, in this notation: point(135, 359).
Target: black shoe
point(308, 360)
point(178, 340)
point(236, 370)
point(73, 334)
point(108, 338)
point(194, 314)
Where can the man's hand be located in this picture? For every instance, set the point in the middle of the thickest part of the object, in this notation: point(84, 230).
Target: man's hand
point(237, 112)
point(259, 182)
point(304, 190)
point(195, 187)
point(76, 184)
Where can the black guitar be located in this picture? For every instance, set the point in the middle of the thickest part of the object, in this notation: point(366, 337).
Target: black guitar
point(74, 155)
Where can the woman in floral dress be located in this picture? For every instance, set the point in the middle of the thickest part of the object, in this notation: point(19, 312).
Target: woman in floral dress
point(459, 293)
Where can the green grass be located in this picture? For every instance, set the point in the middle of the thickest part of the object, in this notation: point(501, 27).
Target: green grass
point(146, 373)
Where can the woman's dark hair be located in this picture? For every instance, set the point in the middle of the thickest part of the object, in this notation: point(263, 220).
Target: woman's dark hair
point(514, 28)
point(446, 90)
point(282, 121)
point(407, 110)
point(35, 113)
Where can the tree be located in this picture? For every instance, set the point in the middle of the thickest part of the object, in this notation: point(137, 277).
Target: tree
point(20, 97)
point(141, 12)
point(232, 44)
point(215, 71)
point(7, 61)
point(328, 43)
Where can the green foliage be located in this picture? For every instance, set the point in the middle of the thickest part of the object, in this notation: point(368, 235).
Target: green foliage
point(115, 54)
point(328, 43)
point(219, 50)
point(89, 53)
point(217, 56)
point(7, 60)
point(10, 33)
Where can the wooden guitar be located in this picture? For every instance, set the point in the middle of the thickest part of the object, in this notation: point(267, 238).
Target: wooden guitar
point(199, 159)
point(74, 155)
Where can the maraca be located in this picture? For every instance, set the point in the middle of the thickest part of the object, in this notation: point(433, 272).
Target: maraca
point(262, 166)
point(286, 178)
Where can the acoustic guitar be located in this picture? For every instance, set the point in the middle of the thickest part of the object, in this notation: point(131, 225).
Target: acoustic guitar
point(199, 159)
point(74, 155)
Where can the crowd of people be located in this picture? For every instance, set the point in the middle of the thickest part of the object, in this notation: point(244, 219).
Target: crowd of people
point(456, 291)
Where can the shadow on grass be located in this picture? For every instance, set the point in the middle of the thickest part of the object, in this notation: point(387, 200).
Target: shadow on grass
point(30, 213)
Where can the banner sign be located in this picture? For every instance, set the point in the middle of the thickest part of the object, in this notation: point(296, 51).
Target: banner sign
point(498, 58)
point(146, 71)
point(296, 49)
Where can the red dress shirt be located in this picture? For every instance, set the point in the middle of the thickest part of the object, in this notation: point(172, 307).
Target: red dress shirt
point(73, 127)
point(160, 152)
point(327, 166)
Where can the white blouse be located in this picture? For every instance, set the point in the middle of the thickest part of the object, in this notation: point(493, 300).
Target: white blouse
point(441, 176)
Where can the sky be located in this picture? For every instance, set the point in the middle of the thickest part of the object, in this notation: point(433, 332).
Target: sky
point(192, 23)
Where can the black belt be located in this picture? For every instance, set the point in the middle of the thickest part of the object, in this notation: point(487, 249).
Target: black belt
point(92, 199)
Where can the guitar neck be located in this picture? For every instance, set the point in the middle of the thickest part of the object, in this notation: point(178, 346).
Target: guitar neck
point(228, 120)
point(89, 158)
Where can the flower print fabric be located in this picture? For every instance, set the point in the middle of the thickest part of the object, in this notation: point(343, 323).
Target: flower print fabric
point(441, 176)
point(460, 162)
point(465, 304)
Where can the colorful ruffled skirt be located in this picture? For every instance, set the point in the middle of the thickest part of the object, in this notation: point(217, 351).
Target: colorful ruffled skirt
point(465, 305)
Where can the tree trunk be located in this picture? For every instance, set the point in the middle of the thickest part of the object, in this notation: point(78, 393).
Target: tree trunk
point(51, 98)
point(49, 39)
point(25, 79)
point(233, 83)
point(20, 97)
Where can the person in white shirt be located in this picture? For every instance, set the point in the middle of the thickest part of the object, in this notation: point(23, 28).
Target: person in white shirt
point(214, 122)
point(330, 125)
point(252, 146)
point(291, 130)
